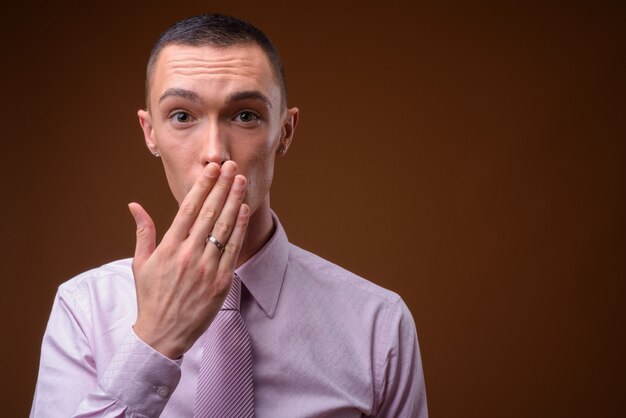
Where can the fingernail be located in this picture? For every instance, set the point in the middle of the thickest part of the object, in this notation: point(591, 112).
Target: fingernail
point(239, 182)
point(132, 211)
point(228, 169)
point(211, 170)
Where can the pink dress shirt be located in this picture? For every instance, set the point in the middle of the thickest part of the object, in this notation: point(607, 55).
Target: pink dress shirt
point(325, 343)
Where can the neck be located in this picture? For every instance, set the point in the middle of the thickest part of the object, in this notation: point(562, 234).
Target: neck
point(259, 231)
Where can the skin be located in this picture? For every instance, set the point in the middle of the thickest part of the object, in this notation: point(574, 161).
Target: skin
point(207, 106)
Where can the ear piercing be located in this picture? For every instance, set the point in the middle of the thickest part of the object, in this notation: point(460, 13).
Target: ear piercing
point(282, 150)
point(156, 154)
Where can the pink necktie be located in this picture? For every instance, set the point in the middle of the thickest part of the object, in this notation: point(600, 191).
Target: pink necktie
point(225, 378)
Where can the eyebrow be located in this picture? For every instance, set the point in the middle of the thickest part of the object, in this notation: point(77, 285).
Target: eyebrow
point(247, 95)
point(182, 93)
point(234, 97)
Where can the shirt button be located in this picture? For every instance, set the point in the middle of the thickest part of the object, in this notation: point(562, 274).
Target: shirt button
point(163, 391)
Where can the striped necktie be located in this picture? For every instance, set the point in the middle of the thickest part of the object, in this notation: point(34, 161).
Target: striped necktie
point(225, 378)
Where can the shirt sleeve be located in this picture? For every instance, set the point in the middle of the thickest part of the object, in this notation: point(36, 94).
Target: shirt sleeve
point(138, 381)
point(403, 393)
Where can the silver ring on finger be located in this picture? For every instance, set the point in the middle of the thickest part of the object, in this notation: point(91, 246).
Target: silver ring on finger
point(215, 242)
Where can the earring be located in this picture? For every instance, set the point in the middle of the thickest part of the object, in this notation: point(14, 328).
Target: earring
point(282, 150)
point(156, 154)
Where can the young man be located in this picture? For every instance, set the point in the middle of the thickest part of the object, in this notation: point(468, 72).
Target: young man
point(224, 318)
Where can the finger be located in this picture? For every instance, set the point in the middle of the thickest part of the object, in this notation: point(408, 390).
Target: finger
point(214, 203)
point(146, 234)
point(223, 227)
point(228, 261)
point(190, 207)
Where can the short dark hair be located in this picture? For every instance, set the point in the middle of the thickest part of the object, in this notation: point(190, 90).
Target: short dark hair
point(220, 31)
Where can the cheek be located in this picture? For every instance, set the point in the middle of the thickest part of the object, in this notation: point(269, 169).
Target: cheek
point(260, 171)
point(181, 174)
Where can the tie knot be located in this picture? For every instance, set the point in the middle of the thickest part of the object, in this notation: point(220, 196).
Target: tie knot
point(233, 299)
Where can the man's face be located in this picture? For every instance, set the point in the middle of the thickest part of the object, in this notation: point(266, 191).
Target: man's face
point(210, 104)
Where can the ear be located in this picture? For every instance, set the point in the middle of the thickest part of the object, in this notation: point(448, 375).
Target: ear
point(289, 127)
point(145, 121)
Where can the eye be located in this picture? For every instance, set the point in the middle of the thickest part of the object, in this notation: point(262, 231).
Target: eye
point(181, 117)
point(247, 117)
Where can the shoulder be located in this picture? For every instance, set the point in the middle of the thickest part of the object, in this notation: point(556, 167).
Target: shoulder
point(106, 287)
point(311, 269)
point(119, 271)
point(115, 270)
point(335, 292)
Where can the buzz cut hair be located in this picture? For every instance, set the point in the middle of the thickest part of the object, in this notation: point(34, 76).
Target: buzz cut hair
point(219, 31)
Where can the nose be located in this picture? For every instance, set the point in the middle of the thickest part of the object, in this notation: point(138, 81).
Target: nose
point(214, 145)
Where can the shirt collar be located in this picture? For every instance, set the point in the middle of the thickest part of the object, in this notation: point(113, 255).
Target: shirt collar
point(263, 274)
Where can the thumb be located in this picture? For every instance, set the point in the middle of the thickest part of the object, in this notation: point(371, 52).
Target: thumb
point(146, 235)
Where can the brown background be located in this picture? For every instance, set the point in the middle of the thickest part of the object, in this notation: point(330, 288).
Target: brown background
point(469, 156)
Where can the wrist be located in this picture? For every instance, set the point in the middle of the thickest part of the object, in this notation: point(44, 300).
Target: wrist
point(162, 343)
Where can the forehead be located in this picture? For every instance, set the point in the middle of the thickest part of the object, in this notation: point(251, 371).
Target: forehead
point(214, 69)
